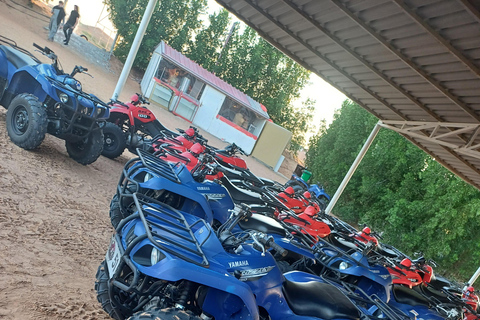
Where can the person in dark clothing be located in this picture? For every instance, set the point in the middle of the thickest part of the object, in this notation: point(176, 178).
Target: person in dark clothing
point(71, 24)
point(57, 17)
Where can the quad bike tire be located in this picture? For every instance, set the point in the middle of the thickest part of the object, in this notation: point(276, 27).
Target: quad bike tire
point(295, 185)
point(116, 214)
point(101, 287)
point(114, 141)
point(26, 121)
point(88, 150)
point(163, 314)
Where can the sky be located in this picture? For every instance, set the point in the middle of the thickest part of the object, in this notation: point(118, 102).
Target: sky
point(327, 98)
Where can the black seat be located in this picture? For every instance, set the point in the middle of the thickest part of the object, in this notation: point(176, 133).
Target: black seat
point(241, 195)
point(408, 296)
point(439, 282)
point(263, 224)
point(337, 241)
point(17, 58)
point(318, 300)
point(432, 292)
point(386, 251)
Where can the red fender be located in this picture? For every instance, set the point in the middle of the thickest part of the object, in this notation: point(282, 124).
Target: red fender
point(411, 279)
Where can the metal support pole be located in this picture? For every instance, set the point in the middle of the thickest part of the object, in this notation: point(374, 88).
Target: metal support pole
point(134, 48)
point(354, 166)
point(474, 277)
point(113, 45)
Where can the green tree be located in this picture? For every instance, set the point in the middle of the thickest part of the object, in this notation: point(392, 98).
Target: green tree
point(400, 190)
point(209, 41)
point(172, 21)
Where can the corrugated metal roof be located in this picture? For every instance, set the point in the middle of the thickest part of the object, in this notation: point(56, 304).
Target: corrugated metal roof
point(176, 57)
point(402, 60)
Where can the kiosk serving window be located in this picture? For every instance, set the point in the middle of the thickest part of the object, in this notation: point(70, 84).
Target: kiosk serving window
point(180, 79)
point(239, 115)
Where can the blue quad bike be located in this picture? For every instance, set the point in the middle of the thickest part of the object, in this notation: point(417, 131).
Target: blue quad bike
point(317, 191)
point(41, 98)
point(165, 264)
point(175, 186)
point(172, 184)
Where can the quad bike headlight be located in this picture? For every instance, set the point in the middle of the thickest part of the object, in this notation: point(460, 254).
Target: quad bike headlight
point(147, 177)
point(343, 266)
point(63, 97)
point(156, 256)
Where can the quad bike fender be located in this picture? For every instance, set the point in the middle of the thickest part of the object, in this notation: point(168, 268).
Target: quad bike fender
point(226, 293)
point(24, 81)
point(117, 116)
point(299, 180)
point(121, 112)
point(288, 245)
point(319, 192)
point(164, 184)
point(3, 73)
point(3, 65)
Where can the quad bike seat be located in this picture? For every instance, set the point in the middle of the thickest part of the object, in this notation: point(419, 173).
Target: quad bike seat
point(241, 195)
point(320, 300)
point(263, 224)
point(439, 282)
point(432, 292)
point(340, 243)
point(17, 58)
point(408, 296)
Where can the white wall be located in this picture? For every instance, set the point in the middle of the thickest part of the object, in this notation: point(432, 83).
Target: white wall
point(228, 133)
point(147, 82)
point(210, 104)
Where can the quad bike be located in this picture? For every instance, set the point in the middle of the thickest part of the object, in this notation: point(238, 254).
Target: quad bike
point(178, 142)
point(42, 98)
point(228, 156)
point(130, 125)
point(317, 191)
point(172, 184)
point(166, 264)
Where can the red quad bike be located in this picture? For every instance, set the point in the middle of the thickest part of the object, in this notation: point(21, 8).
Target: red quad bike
point(228, 156)
point(472, 300)
point(179, 143)
point(287, 197)
point(366, 236)
point(189, 157)
point(131, 125)
point(309, 223)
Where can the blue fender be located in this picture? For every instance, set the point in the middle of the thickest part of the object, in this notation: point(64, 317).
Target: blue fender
point(298, 179)
point(3, 65)
point(165, 184)
point(319, 192)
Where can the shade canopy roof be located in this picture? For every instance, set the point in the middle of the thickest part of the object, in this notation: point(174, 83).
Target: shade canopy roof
point(414, 64)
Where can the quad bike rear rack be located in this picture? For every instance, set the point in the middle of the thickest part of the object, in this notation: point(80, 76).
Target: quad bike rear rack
point(156, 165)
point(176, 236)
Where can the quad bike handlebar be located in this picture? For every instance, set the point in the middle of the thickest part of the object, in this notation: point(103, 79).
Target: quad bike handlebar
point(142, 99)
point(79, 69)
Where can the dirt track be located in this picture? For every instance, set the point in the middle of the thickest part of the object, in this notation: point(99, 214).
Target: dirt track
point(54, 225)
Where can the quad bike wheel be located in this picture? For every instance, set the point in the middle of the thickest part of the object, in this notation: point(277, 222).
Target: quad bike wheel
point(114, 141)
point(88, 150)
point(26, 121)
point(297, 186)
point(101, 287)
point(163, 314)
point(116, 214)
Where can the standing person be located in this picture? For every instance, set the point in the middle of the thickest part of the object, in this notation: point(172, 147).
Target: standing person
point(58, 16)
point(71, 24)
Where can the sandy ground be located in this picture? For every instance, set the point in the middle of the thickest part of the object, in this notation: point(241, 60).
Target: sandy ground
point(54, 225)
